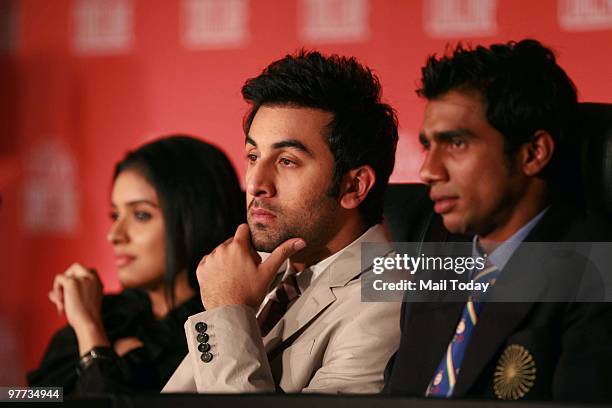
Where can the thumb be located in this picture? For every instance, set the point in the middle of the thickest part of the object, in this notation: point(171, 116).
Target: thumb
point(282, 252)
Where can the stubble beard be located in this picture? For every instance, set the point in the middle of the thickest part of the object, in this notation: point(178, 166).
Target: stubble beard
point(313, 222)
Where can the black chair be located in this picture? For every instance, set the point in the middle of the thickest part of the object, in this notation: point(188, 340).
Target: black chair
point(593, 134)
point(585, 166)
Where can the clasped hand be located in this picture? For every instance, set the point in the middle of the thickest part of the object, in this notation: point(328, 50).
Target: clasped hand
point(234, 274)
point(78, 293)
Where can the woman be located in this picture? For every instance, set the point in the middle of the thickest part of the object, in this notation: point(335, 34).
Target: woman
point(173, 201)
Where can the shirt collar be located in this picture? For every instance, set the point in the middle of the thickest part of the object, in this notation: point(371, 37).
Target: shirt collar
point(501, 255)
point(308, 275)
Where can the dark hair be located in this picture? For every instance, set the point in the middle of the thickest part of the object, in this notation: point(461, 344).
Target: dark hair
point(523, 88)
point(200, 197)
point(363, 130)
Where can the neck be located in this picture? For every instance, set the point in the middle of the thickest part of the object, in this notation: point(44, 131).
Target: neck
point(160, 303)
point(351, 229)
point(533, 201)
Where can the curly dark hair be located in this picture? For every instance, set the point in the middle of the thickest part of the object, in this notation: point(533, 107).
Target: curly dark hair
point(363, 130)
point(523, 87)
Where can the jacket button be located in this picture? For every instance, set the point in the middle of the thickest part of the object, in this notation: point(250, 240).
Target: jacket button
point(206, 357)
point(203, 347)
point(201, 327)
point(202, 338)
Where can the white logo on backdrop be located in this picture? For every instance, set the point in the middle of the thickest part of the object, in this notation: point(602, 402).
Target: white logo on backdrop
point(8, 26)
point(103, 27)
point(582, 15)
point(51, 198)
point(215, 23)
point(335, 20)
point(465, 18)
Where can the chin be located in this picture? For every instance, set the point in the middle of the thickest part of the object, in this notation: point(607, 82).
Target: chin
point(126, 278)
point(454, 223)
point(263, 244)
point(262, 238)
point(126, 282)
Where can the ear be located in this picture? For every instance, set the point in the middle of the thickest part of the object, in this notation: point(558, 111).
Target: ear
point(356, 184)
point(537, 153)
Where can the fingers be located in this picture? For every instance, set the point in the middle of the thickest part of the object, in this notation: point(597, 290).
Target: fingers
point(57, 294)
point(255, 255)
point(63, 287)
point(67, 284)
point(56, 301)
point(242, 234)
point(127, 344)
point(285, 250)
point(80, 272)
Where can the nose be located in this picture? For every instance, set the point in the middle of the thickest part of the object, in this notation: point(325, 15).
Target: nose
point(260, 180)
point(117, 233)
point(433, 170)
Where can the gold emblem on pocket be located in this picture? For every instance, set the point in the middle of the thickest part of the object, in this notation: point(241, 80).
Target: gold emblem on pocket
point(515, 373)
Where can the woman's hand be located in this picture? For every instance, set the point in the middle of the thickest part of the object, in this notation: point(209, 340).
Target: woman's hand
point(127, 344)
point(78, 293)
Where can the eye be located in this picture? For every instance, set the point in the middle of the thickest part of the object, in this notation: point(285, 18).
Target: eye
point(286, 162)
point(251, 158)
point(457, 142)
point(424, 143)
point(142, 215)
point(113, 215)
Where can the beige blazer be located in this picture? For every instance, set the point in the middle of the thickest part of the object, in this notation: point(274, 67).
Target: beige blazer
point(328, 341)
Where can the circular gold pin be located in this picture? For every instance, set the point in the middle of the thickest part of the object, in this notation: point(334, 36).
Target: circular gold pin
point(515, 373)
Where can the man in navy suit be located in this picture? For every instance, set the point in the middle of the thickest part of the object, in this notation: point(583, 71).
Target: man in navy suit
point(492, 132)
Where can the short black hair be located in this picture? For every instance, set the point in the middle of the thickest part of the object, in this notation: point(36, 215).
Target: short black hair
point(200, 197)
point(363, 130)
point(523, 87)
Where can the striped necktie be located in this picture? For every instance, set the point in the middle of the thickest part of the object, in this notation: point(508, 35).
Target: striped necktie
point(445, 378)
point(278, 302)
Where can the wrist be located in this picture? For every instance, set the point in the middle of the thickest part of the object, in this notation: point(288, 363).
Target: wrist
point(214, 302)
point(96, 354)
point(91, 335)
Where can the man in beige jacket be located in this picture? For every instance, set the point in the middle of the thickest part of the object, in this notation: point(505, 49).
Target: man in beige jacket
point(320, 147)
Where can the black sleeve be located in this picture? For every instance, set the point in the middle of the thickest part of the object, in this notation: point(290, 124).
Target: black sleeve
point(60, 368)
point(59, 364)
point(133, 372)
point(102, 376)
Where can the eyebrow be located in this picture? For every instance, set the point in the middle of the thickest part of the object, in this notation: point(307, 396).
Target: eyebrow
point(446, 135)
point(287, 143)
point(136, 202)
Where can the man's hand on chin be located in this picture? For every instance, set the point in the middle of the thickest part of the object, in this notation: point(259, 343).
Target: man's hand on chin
point(233, 273)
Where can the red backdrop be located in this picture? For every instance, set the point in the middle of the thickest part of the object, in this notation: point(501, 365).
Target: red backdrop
point(83, 80)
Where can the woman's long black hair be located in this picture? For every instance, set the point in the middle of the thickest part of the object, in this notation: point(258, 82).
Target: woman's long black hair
point(200, 197)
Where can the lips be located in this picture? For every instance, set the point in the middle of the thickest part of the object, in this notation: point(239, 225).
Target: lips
point(123, 260)
point(261, 215)
point(444, 204)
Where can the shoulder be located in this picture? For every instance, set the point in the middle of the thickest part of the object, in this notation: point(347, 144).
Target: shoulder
point(564, 223)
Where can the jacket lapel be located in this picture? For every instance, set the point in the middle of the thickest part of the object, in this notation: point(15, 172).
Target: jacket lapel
point(498, 320)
